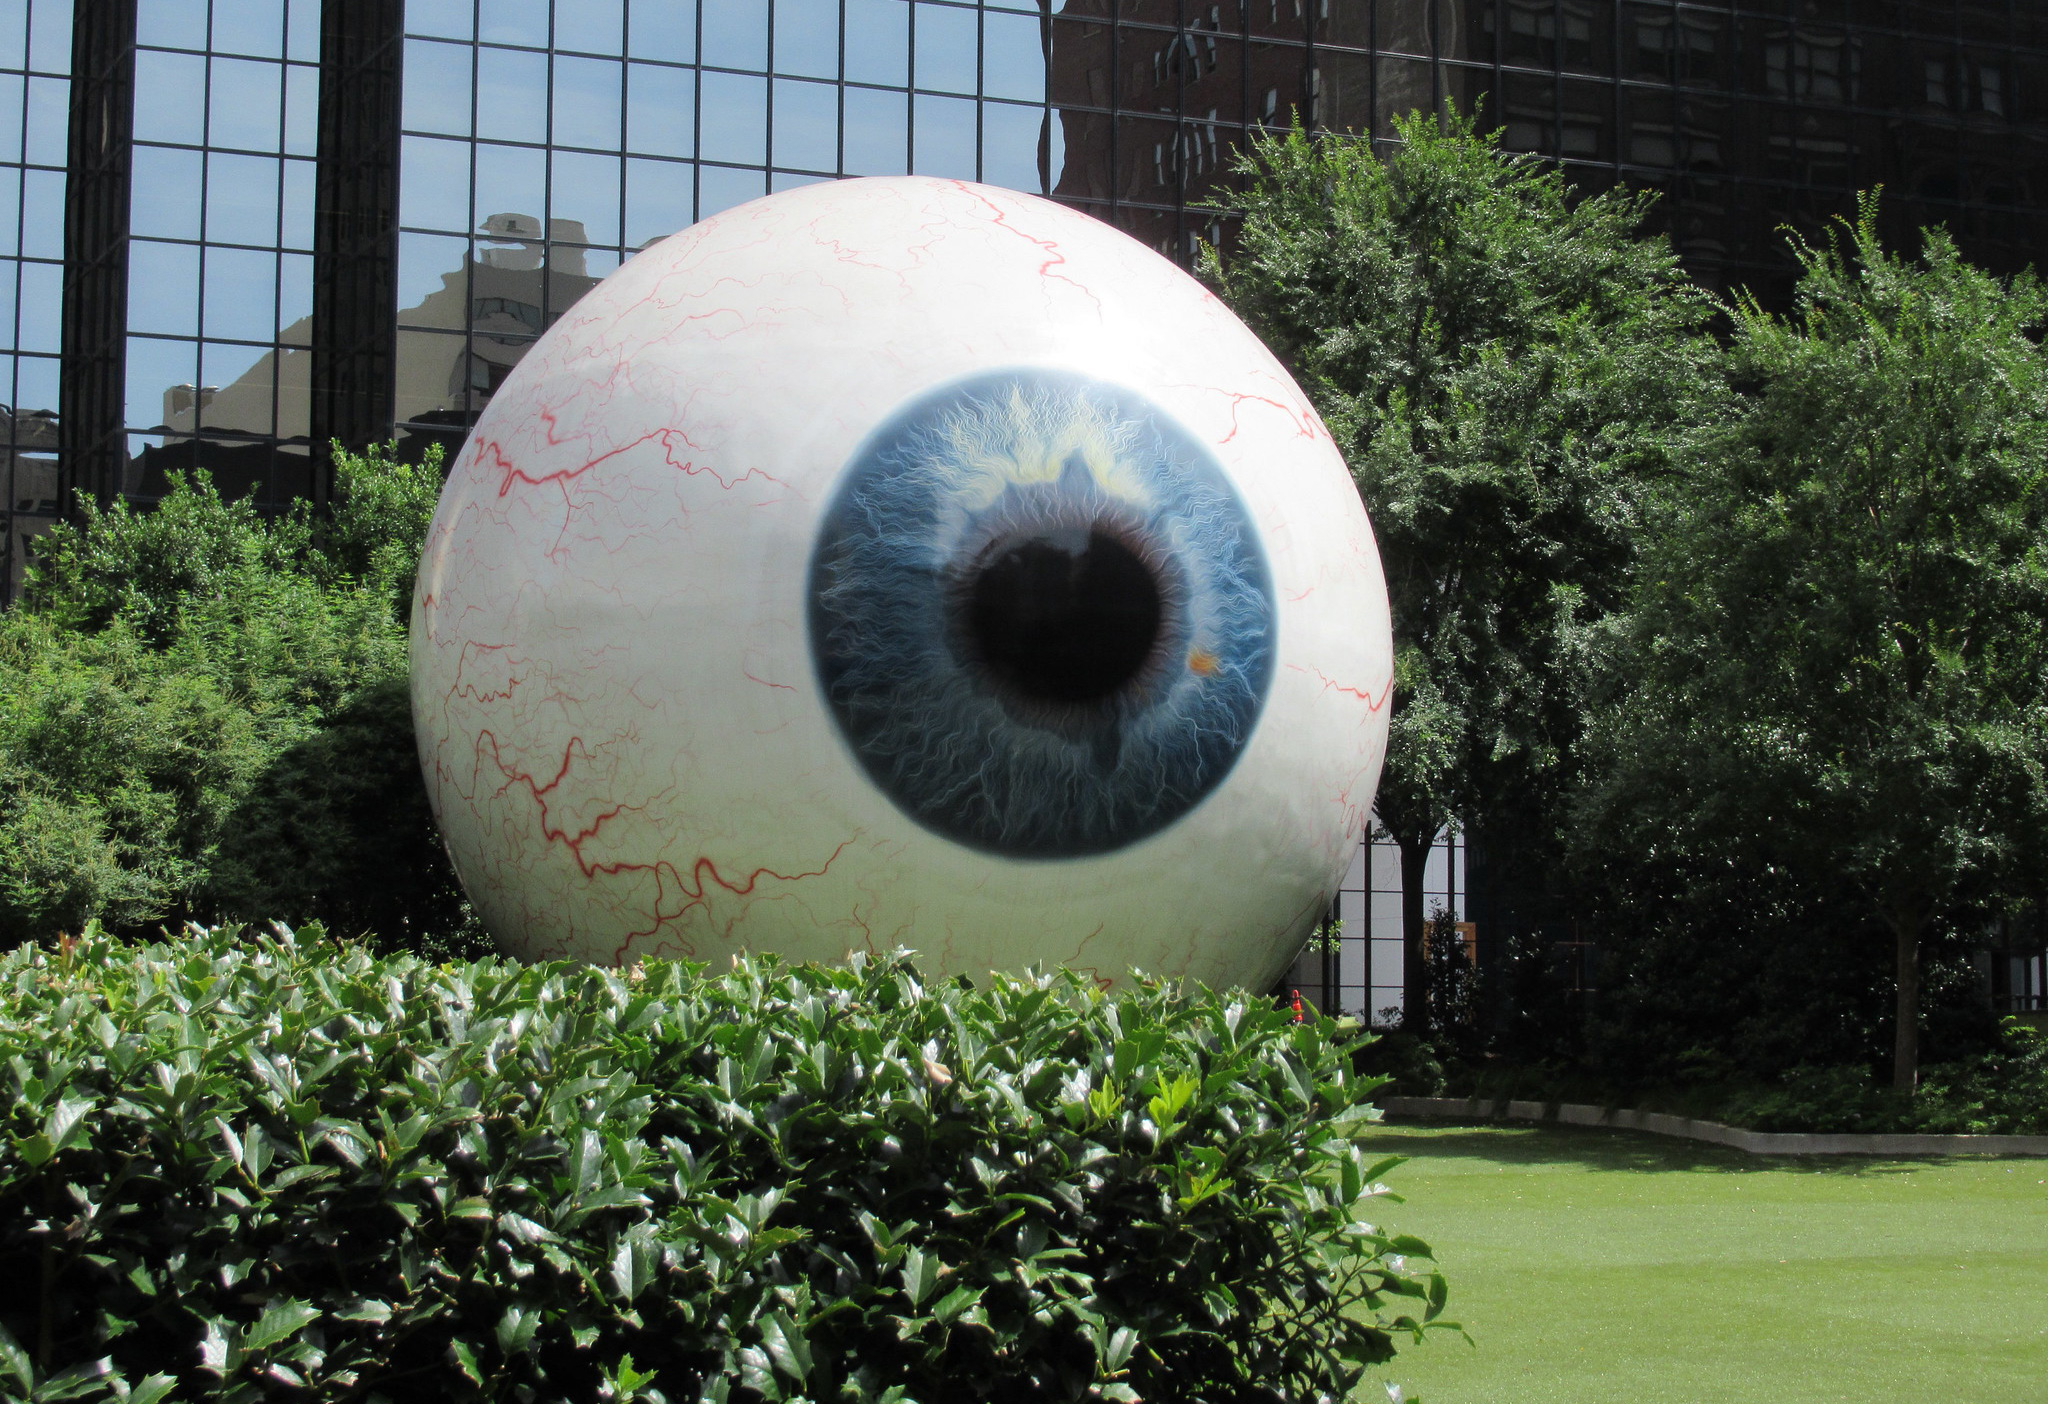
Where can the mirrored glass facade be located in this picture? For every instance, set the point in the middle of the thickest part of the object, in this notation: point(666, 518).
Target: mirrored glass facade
point(35, 108)
point(287, 221)
point(224, 146)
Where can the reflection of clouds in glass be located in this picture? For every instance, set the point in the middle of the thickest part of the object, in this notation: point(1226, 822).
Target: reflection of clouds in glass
point(301, 110)
point(299, 180)
point(252, 27)
point(599, 27)
point(41, 306)
point(49, 120)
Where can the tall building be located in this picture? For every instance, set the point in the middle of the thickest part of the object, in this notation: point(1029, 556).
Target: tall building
point(289, 221)
point(233, 230)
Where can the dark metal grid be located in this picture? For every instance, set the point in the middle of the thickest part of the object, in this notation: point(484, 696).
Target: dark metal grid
point(1585, 46)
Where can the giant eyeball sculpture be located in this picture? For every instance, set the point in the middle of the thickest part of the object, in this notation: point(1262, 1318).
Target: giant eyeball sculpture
point(902, 562)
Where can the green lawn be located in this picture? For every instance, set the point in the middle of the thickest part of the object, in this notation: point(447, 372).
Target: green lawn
point(1610, 1267)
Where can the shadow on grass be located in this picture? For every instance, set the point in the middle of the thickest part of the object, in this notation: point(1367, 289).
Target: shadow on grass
point(1604, 1148)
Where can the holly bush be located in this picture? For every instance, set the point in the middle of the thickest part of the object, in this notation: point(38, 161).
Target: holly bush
point(243, 1166)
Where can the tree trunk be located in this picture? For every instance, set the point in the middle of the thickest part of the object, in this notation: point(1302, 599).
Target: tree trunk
point(1414, 969)
point(1906, 1038)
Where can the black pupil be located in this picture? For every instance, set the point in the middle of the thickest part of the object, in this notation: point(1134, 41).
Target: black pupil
point(1064, 621)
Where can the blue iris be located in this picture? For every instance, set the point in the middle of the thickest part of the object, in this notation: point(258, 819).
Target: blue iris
point(1040, 614)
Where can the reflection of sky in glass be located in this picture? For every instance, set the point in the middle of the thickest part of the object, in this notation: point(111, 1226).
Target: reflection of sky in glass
point(1013, 57)
point(661, 117)
point(586, 189)
point(720, 188)
point(877, 132)
point(249, 195)
point(514, 22)
point(734, 117)
point(806, 134)
point(509, 83)
point(433, 184)
point(436, 87)
point(943, 139)
point(49, 121)
point(586, 102)
point(246, 104)
point(423, 261)
point(946, 49)
point(658, 200)
point(509, 180)
point(664, 30)
point(807, 38)
point(601, 138)
point(736, 34)
point(878, 42)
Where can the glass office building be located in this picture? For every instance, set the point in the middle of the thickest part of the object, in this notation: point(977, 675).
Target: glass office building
point(243, 228)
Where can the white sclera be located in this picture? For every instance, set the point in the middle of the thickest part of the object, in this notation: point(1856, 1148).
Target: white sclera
point(618, 712)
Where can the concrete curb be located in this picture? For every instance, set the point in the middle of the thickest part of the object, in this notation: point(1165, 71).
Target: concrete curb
point(1755, 1142)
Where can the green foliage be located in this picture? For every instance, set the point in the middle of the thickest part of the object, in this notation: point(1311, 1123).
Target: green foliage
point(244, 1167)
point(2003, 1091)
point(1504, 367)
point(201, 713)
point(1833, 690)
point(1507, 369)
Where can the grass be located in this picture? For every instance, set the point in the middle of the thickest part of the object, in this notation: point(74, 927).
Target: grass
point(1612, 1267)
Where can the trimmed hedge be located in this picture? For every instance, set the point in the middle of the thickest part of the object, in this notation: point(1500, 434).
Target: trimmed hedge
point(254, 1167)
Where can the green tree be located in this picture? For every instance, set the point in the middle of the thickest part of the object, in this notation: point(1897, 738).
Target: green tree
point(202, 714)
point(1505, 367)
point(1836, 676)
